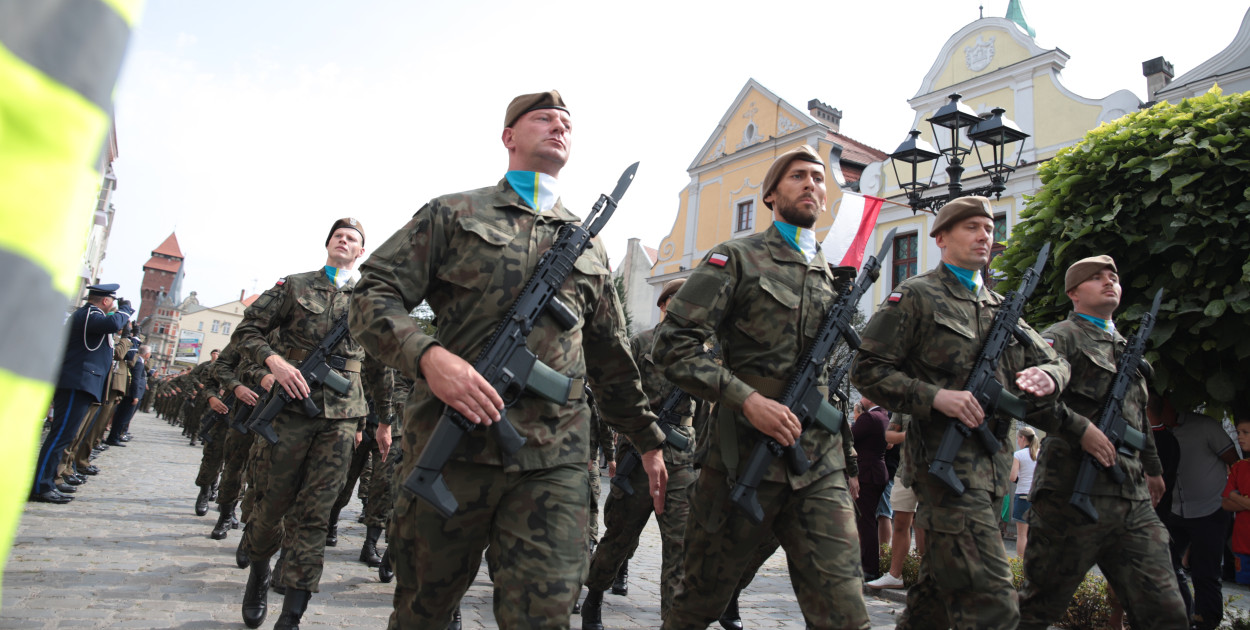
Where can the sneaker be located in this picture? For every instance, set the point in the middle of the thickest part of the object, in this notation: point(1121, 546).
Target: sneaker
point(886, 581)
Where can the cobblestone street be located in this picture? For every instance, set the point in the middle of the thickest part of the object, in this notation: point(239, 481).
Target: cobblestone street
point(129, 552)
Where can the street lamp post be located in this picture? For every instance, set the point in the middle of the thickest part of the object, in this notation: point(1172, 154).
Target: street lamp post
point(992, 133)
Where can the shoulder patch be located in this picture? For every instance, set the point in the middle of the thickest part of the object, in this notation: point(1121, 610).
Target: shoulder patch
point(1050, 341)
point(894, 298)
point(718, 259)
point(281, 281)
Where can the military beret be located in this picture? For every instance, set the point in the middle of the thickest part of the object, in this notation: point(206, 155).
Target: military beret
point(670, 288)
point(527, 103)
point(346, 222)
point(1084, 269)
point(782, 164)
point(960, 209)
point(103, 290)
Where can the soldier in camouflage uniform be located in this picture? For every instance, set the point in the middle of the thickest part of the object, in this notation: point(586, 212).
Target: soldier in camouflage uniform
point(469, 254)
point(601, 440)
point(232, 373)
point(1128, 542)
point(308, 465)
point(626, 515)
point(763, 297)
point(917, 351)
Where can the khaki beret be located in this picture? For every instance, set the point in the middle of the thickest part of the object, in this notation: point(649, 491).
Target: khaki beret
point(960, 209)
point(1084, 269)
point(346, 222)
point(670, 288)
point(782, 164)
point(527, 103)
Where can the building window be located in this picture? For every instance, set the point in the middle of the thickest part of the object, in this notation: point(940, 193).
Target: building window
point(216, 325)
point(904, 258)
point(201, 326)
point(992, 276)
point(225, 328)
point(744, 218)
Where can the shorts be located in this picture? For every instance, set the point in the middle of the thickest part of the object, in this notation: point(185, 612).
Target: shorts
point(883, 508)
point(1019, 508)
point(903, 499)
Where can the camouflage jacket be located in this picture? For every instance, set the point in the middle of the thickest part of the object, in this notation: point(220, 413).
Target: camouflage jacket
point(201, 382)
point(469, 255)
point(926, 336)
point(296, 314)
point(658, 390)
point(1093, 354)
point(764, 304)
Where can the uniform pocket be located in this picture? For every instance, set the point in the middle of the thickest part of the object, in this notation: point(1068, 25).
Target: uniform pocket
point(474, 254)
point(953, 342)
point(772, 311)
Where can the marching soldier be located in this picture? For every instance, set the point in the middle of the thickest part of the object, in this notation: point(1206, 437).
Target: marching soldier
point(1128, 542)
point(469, 254)
point(763, 297)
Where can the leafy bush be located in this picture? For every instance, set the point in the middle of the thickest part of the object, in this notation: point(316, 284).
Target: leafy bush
point(1166, 192)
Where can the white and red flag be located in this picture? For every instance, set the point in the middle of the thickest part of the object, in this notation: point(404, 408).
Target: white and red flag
point(847, 239)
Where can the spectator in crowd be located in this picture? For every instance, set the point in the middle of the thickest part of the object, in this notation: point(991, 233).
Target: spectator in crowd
point(1237, 500)
point(870, 446)
point(1198, 524)
point(1170, 457)
point(1022, 473)
point(903, 500)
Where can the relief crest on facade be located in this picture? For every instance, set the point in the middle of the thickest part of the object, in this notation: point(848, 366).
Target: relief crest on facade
point(979, 55)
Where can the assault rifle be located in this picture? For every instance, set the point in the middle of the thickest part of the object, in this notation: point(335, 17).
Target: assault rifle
point(316, 371)
point(1111, 420)
point(669, 419)
point(211, 418)
point(983, 382)
point(507, 364)
point(238, 421)
point(803, 396)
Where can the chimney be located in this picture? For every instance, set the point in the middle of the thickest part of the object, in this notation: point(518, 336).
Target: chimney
point(825, 114)
point(242, 294)
point(1158, 73)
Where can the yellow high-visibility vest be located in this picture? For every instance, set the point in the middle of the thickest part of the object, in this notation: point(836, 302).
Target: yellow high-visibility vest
point(59, 61)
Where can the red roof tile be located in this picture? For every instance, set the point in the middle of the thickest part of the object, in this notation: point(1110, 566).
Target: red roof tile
point(163, 264)
point(169, 247)
point(856, 151)
point(652, 253)
point(249, 299)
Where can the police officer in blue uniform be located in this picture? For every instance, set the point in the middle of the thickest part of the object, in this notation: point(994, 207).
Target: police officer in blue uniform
point(84, 372)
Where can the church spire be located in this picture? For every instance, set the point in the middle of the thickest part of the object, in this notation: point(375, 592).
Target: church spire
point(1015, 13)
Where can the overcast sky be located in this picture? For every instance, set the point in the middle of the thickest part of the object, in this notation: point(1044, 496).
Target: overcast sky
point(249, 127)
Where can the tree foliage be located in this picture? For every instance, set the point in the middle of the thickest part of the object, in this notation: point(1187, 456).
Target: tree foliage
point(1166, 192)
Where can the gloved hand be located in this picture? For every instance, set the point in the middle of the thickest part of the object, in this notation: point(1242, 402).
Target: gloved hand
point(124, 305)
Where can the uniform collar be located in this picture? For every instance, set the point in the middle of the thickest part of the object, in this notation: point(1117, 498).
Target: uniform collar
point(956, 288)
point(1093, 331)
point(782, 251)
point(503, 196)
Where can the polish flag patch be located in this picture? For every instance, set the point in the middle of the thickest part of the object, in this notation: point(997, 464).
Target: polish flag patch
point(281, 281)
point(894, 298)
point(718, 259)
point(1050, 342)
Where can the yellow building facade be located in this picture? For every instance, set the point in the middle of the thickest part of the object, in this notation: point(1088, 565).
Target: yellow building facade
point(723, 200)
point(991, 62)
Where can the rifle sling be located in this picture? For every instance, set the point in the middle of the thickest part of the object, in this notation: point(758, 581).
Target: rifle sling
point(335, 361)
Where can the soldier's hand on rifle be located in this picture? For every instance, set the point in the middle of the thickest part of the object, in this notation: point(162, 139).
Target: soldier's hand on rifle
point(960, 405)
point(267, 381)
point(383, 436)
point(217, 405)
point(612, 468)
point(454, 381)
point(772, 418)
point(1034, 381)
point(1095, 442)
point(288, 377)
point(246, 395)
point(1157, 487)
point(657, 477)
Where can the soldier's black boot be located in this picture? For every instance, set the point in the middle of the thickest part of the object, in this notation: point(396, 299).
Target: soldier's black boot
point(455, 621)
point(731, 619)
point(241, 556)
point(332, 533)
point(201, 502)
point(620, 584)
point(256, 595)
point(276, 582)
point(592, 610)
point(223, 522)
point(212, 492)
point(369, 553)
point(386, 572)
point(293, 606)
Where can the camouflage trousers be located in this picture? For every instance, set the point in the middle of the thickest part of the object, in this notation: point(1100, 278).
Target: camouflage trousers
point(625, 516)
point(965, 581)
point(594, 482)
point(237, 446)
point(214, 455)
point(1128, 543)
point(361, 456)
point(533, 522)
point(257, 467)
point(816, 527)
point(381, 489)
point(306, 469)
